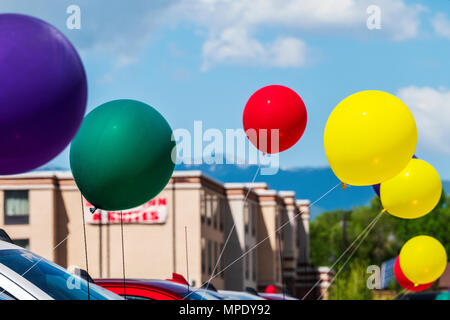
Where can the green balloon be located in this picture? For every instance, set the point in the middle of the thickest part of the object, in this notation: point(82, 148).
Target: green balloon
point(121, 157)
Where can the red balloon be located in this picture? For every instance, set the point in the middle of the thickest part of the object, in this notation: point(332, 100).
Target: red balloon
point(404, 282)
point(275, 108)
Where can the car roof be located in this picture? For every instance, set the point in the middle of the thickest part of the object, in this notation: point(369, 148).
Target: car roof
point(167, 285)
point(8, 246)
point(240, 294)
point(26, 285)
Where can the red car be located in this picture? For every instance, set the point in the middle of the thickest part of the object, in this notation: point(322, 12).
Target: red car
point(155, 290)
point(271, 293)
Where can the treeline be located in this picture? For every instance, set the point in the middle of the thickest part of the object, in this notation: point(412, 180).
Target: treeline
point(332, 232)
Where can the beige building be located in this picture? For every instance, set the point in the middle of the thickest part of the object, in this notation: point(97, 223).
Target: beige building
point(241, 229)
point(194, 213)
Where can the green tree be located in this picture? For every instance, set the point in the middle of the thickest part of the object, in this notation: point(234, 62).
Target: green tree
point(351, 285)
point(333, 232)
point(435, 224)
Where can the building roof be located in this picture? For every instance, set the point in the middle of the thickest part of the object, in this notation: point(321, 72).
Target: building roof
point(41, 174)
point(286, 194)
point(303, 202)
point(260, 188)
point(254, 185)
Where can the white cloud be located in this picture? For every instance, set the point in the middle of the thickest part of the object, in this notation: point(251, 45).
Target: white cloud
point(114, 29)
point(441, 25)
point(235, 46)
point(233, 27)
point(431, 109)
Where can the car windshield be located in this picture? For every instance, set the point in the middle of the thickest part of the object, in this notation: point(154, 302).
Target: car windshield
point(51, 278)
point(5, 295)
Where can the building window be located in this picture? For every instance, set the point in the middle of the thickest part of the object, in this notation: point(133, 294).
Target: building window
point(246, 216)
point(253, 219)
point(282, 214)
point(202, 206)
point(216, 255)
point(208, 208)
point(209, 257)
point(277, 268)
point(254, 265)
point(247, 264)
point(203, 255)
point(16, 207)
point(215, 210)
point(222, 274)
point(221, 213)
point(24, 243)
point(277, 215)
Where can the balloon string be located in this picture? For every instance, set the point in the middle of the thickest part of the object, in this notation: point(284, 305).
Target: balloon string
point(123, 257)
point(345, 251)
point(271, 235)
point(85, 245)
point(399, 294)
point(365, 233)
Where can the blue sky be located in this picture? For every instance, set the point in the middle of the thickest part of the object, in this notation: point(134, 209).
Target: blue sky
point(202, 60)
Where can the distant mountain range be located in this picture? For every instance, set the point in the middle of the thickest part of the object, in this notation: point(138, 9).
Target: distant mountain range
point(308, 183)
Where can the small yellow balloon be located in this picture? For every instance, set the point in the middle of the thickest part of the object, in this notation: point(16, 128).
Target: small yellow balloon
point(414, 192)
point(369, 138)
point(423, 259)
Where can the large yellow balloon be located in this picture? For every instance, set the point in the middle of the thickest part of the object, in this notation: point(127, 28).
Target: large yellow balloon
point(369, 138)
point(414, 192)
point(423, 259)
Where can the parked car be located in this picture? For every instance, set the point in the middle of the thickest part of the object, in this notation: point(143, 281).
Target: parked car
point(27, 276)
point(445, 295)
point(428, 295)
point(5, 296)
point(239, 295)
point(136, 289)
point(276, 296)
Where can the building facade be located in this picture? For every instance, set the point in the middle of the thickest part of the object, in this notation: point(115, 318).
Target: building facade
point(183, 230)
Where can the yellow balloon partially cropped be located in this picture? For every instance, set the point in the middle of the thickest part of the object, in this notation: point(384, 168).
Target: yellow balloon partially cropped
point(369, 138)
point(423, 259)
point(414, 192)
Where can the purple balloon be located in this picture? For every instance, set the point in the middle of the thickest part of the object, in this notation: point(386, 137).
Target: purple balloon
point(377, 187)
point(43, 93)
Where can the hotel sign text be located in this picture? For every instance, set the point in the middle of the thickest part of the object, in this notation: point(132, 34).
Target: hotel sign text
point(152, 212)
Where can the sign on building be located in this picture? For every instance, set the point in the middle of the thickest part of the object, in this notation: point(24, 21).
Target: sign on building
point(152, 212)
point(387, 273)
